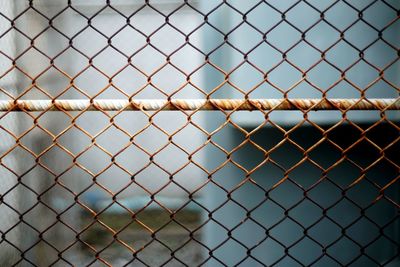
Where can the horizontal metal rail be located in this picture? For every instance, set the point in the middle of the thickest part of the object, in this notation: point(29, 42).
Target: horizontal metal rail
point(200, 104)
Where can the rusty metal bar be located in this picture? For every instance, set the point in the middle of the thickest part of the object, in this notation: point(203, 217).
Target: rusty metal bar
point(200, 104)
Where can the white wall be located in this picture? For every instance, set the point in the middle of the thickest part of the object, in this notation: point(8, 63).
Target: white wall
point(8, 122)
point(54, 169)
point(90, 82)
point(133, 83)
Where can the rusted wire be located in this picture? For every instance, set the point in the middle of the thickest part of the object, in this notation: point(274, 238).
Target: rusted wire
point(265, 188)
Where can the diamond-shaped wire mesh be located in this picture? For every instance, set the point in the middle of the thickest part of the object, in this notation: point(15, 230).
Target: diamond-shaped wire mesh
point(199, 133)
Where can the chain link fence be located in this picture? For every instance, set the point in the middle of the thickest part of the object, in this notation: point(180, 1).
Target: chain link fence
point(199, 133)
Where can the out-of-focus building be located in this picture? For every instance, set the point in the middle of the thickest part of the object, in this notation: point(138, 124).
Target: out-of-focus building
point(280, 216)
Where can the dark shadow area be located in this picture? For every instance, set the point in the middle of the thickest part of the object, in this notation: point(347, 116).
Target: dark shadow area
point(337, 202)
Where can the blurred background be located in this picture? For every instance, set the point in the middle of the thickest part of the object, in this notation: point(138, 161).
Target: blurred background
point(191, 188)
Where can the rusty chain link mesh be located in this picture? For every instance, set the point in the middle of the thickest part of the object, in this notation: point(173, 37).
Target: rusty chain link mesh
point(109, 156)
